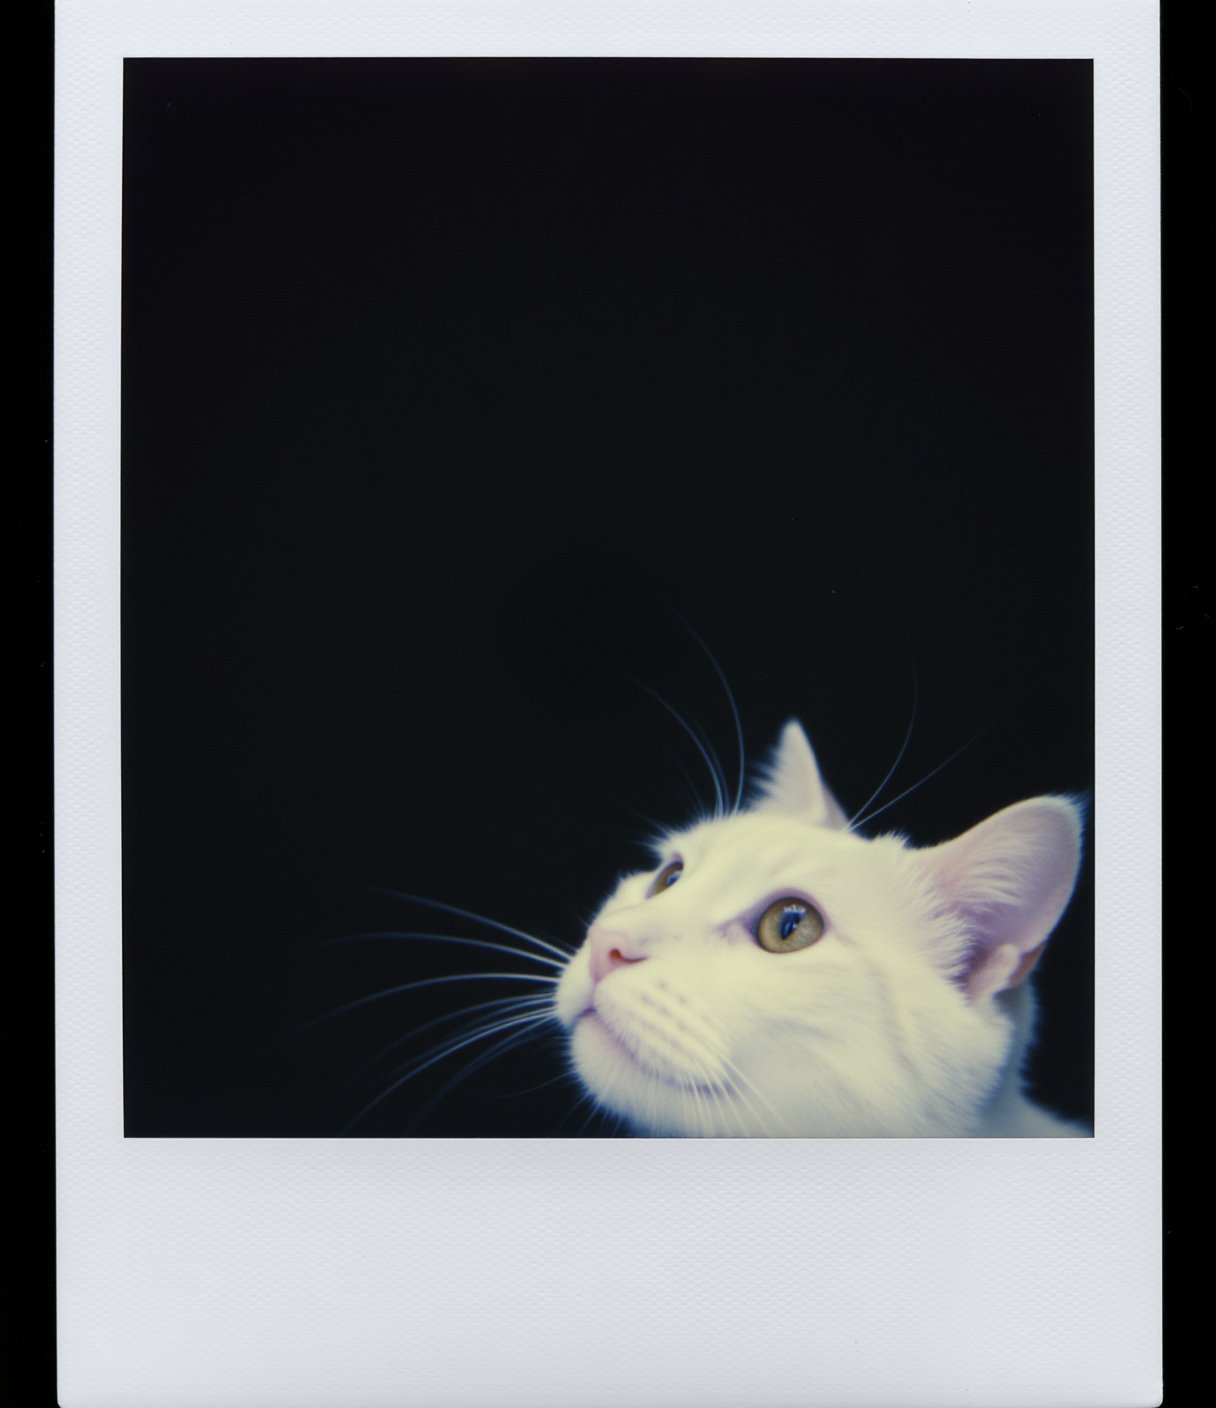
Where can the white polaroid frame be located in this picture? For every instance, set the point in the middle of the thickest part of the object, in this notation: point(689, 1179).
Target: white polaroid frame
point(633, 1272)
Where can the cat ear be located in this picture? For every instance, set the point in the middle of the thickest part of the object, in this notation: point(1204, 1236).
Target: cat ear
point(1009, 880)
point(792, 786)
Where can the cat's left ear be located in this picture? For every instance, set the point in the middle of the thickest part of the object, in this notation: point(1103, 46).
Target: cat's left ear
point(792, 785)
point(1009, 880)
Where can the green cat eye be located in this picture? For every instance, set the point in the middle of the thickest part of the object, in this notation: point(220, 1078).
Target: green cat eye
point(789, 925)
point(667, 877)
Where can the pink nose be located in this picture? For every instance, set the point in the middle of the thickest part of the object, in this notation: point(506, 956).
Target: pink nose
point(610, 949)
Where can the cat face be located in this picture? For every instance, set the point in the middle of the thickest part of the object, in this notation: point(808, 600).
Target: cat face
point(776, 973)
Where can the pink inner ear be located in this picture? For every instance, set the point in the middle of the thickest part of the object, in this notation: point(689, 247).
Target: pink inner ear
point(1026, 966)
point(1002, 968)
point(1009, 879)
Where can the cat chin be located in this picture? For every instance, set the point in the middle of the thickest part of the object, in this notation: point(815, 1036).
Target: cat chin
point(653, 1102)
point(596, 1046)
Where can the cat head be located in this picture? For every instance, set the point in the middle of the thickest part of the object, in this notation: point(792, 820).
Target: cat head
point(777, 973)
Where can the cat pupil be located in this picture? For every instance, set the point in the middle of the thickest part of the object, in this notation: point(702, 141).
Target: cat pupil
point(790, 920)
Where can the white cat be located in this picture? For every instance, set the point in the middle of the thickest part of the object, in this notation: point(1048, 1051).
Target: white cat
point(779, 974)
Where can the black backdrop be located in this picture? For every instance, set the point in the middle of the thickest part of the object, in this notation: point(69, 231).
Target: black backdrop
point(445, 384)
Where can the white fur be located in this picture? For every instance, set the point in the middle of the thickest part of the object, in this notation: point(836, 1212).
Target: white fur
point(899, 1021)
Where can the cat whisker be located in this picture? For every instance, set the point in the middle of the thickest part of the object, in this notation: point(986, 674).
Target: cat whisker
point(699, 809)
point(423, 983)
point(509, 1042)
point(562, 1077)
point(730, 699)
point(657, 830)
point(556, 949)
point(739, 1075)
point(730, 1099)
point(708, 756)
point(724, 1111)
point(583, 1098)
point(582, 1129)
point(958, 752)
point(502, 1004)
point(610, 1121)
point(899, 757)
point(688, 1095)
point(450, 1049)
point(749, 1094)
point(403, 935)
point(706, 1096)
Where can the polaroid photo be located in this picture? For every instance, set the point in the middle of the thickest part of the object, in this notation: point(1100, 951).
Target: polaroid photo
point(607, 724)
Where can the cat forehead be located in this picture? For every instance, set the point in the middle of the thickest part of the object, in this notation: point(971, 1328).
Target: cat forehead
point(754, 840)
point(869, 885)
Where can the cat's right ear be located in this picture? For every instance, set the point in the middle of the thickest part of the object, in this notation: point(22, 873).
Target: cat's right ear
point(792, 785)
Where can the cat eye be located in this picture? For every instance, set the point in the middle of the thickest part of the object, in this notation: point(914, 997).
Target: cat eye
point(667, 877)
point(789, 925)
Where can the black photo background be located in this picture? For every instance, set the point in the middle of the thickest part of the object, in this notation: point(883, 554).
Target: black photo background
point(449, 387)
